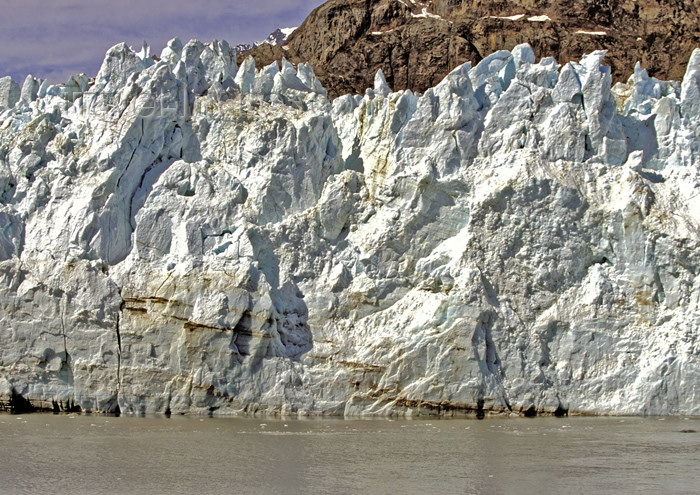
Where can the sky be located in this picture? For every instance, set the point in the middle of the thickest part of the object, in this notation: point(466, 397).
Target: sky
point(54, 39)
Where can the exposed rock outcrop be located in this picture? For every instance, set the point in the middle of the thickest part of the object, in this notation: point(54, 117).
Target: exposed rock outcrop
point(417, 43)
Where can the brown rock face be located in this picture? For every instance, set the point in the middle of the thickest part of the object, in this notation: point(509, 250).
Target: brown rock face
point(417, 43)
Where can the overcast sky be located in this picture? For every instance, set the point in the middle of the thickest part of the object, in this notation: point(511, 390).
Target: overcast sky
point(56, 38)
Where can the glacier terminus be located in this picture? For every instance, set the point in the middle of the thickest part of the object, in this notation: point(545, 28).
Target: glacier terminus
point(182, 234)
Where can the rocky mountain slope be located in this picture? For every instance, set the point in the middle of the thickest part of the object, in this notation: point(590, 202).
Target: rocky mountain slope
point(190, 236)
point(416, 43)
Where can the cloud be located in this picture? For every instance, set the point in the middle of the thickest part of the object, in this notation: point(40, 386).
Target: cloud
point(56, 39)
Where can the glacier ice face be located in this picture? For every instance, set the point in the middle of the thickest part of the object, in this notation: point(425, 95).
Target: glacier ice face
point(9, 93)
point(187, 235)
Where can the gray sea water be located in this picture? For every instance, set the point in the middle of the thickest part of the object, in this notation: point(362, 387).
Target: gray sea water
point(67, 454)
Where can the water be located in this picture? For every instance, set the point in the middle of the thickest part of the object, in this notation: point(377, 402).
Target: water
point(107, 455)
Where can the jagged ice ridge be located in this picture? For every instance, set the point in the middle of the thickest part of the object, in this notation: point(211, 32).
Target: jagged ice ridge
point(185, 235)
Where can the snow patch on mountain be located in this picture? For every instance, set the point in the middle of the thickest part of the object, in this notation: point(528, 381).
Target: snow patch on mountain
point(515, 17)
point(277, 37)
point(592, 33)
point(425, 14)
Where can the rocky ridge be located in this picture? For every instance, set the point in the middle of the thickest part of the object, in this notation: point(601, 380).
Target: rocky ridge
point(417, 43)
point(188, 235)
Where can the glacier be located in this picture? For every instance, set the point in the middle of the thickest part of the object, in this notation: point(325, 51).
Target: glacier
point(184, 235)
